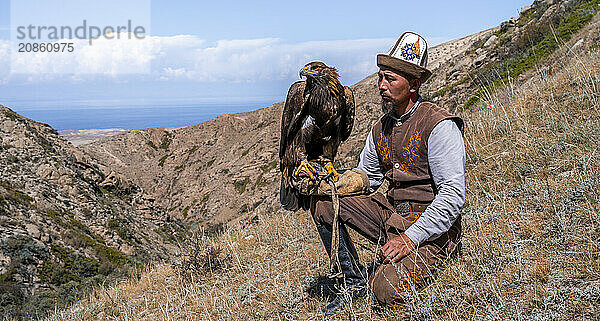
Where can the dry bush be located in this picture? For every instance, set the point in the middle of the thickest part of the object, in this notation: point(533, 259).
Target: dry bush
point(531, 230)
point(200, 254)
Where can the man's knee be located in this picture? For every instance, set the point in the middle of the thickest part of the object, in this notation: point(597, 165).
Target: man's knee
point(394, 283)
point(323, 212)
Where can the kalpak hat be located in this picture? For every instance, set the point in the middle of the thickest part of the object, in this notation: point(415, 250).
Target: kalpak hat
point(409, 55)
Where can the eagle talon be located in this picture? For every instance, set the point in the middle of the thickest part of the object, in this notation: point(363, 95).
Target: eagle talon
point(332, 172)
point(307, 168)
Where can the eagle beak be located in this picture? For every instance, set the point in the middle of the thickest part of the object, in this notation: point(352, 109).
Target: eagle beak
point(302, 72)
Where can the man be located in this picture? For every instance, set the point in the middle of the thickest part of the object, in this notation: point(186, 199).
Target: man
point(418, 148)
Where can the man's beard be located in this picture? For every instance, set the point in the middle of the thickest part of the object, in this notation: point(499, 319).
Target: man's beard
point(388, 107)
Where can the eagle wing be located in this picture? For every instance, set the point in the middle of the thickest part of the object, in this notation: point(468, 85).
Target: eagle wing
point(348, 117)
point(292, 115)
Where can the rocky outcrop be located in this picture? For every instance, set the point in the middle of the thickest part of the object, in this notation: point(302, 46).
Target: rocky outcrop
point(465, 70)
point(63, 220)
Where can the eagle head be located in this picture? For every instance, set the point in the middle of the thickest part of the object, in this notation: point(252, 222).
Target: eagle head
point(317, 69)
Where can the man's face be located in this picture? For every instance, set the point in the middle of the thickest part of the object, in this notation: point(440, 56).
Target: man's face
point(395, 90)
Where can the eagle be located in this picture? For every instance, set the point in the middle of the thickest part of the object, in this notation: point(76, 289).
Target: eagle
point(318, 115)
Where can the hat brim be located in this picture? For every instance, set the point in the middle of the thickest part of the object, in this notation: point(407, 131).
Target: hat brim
point(416, 71)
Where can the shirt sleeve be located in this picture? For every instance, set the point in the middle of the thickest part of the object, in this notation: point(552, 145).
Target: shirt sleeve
point(369, 163)
point(446, 153)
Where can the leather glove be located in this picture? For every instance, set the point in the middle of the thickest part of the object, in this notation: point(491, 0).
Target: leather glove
point(351, 182)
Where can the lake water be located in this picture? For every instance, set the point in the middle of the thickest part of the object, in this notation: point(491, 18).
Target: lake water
point(131, 117)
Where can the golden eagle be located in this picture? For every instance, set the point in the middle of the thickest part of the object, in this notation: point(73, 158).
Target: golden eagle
point(318, 115)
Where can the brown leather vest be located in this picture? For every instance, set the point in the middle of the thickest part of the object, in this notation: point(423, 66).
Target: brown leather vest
point(402, 151)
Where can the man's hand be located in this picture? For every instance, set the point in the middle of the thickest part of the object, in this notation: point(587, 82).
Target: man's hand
point(397, 248)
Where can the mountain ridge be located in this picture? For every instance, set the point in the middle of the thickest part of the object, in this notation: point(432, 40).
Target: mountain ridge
point(65, 223)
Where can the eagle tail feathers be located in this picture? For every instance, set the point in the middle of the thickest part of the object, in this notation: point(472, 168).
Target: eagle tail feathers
point(290, 199)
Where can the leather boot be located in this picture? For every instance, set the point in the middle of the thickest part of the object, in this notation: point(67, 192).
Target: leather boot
point(353, 281)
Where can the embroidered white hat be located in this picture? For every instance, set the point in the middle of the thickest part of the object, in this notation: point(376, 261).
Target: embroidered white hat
point(409, 55)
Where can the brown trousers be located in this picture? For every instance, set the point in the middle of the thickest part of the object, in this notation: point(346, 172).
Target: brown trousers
point(374, 217)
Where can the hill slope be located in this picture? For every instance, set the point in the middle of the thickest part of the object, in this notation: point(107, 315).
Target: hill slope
point(531, 218)
point(64, 223)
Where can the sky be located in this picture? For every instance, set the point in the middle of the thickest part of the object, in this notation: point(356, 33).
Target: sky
point(196, 51)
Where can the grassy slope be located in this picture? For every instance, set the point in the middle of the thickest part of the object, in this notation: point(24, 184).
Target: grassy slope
point(536, 52)
point(531, 227)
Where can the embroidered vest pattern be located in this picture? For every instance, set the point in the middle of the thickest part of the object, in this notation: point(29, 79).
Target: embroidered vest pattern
point(410, 152)
point(383, 148)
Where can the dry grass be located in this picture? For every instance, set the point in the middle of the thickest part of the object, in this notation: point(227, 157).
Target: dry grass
point(531, 219)
point(531, 230)
point(271, 261)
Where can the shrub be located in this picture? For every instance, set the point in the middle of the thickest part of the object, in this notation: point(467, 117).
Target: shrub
point(240, 186)
point(151, 144)
point(161, 161)
point(199, 255)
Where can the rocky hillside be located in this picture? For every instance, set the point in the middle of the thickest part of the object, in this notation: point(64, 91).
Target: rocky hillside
point(507, 53)
point(226, 168)
point(65, 223)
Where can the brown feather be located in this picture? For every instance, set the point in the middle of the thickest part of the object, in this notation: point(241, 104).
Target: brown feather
point(331, 107)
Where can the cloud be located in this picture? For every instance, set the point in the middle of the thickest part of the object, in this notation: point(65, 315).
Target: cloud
point(4, 61)
point(266, 59)
point(107, 57)
point(189, 58)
